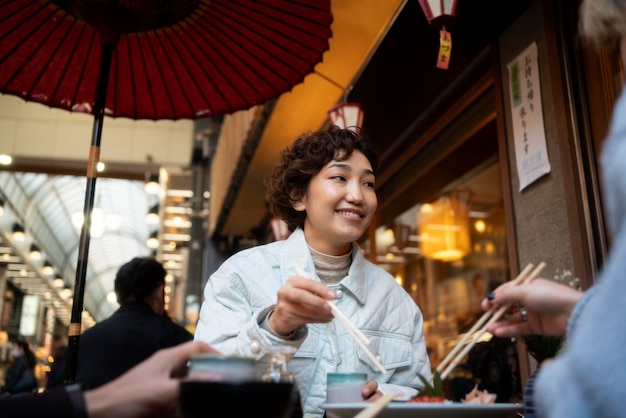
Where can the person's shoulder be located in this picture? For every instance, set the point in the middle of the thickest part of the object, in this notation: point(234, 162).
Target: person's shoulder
point(253, 256)
point(178, 331)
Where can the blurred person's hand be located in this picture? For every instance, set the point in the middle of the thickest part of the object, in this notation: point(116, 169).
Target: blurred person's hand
point(150, 389)
point(370, 391)
point(301, 301)
point(547, 304)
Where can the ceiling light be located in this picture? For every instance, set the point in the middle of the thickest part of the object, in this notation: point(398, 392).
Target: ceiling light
point(153, 241)
point(5, 159)
point(58, 282)
point(35, 252)
point(48, 270)
point(152, 184)
point(152, 218)
point(18, 233)
point(66, 293)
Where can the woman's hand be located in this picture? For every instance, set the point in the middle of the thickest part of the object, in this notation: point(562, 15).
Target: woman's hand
point(370, 391)
point(548, 305)
point(300, 301)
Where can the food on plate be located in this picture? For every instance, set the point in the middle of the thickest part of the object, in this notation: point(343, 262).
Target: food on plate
point(432, 393)
point(479, 397)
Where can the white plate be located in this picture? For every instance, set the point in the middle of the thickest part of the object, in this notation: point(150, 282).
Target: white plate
point(429, 410)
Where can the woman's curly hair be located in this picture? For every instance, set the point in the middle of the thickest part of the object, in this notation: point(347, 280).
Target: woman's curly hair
point(306, 157)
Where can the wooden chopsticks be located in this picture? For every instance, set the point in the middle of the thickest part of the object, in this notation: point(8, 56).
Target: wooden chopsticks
point(488, 318)
point(354, 332)
point(374, 408)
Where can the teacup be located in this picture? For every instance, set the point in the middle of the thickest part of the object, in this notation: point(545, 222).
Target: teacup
point(345, 387)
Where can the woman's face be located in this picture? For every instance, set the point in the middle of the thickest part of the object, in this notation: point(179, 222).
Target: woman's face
point(340, 203)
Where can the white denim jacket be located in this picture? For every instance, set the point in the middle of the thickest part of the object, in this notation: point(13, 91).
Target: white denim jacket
point(239, 295)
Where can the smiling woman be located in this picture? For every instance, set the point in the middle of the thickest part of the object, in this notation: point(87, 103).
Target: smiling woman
point(259, 299)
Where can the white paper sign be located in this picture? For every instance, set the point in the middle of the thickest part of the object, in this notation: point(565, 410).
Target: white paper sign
point(529, 134)
point(30, 311)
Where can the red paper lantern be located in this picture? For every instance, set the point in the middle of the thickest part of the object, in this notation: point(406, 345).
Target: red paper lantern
point(440, 13)
point(346, 115)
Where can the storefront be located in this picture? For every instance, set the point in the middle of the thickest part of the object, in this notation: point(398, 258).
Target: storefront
point(477, 185)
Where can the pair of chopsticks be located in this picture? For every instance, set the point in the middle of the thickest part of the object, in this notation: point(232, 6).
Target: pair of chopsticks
point(374, 409)
point(480, 327)
point(354, 332)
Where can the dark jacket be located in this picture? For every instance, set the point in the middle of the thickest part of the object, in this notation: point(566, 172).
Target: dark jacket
point(129, 336)
point(55, 403)
point(19, 378)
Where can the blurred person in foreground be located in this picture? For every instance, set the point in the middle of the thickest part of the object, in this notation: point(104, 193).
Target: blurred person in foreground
point(587, 378)
point(132, 333)
point(323, 188)
point(20, 376)
point(150, 390)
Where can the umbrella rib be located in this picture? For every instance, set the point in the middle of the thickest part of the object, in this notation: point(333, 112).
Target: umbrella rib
point(271, 29)
point(67, 66)
point(242, 32)
point(167, 89)
point(82, 71)
point(191, 76)
point(219, 69)
point(10, 53)
point(132, 78)
point(8, 16)
point(251, 68)
point(301, 17)
point(144, 68)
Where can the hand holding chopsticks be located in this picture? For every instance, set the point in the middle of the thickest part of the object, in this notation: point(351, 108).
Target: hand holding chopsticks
point(491, 316)
point(353, 331)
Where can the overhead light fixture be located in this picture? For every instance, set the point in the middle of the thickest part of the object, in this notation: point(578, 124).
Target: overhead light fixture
point(5, 159)
point(444, 227)
point(347, 116)
point(58, 282)
point(152, 218)
point(66, 293)
point(18, 232)
point(441, 15)
point(35, 252)
point(153, 240)
point(152, 184)
point(48, 269)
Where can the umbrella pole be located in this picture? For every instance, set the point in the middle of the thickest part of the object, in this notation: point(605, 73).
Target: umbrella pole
point(85, 235)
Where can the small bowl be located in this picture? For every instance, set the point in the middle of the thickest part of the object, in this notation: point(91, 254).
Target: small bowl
point(235, 399)
point(217, 367)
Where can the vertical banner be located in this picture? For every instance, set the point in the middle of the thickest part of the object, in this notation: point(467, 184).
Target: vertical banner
point(529, 135)
point(30, 312)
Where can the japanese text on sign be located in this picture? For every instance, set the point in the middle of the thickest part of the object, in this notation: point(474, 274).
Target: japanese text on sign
point(527, 115)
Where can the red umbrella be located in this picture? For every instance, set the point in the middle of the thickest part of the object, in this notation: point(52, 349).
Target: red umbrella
point(154, 59)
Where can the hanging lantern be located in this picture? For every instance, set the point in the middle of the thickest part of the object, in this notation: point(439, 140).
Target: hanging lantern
point(441, 14)
point(347, 116)
point(444, 227)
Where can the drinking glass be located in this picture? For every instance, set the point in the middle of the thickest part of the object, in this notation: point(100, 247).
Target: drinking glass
point(278, 372)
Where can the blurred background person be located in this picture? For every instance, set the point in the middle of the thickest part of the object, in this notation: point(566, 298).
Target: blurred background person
point(132, 333)
point(20, 376)
point(55, 375)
